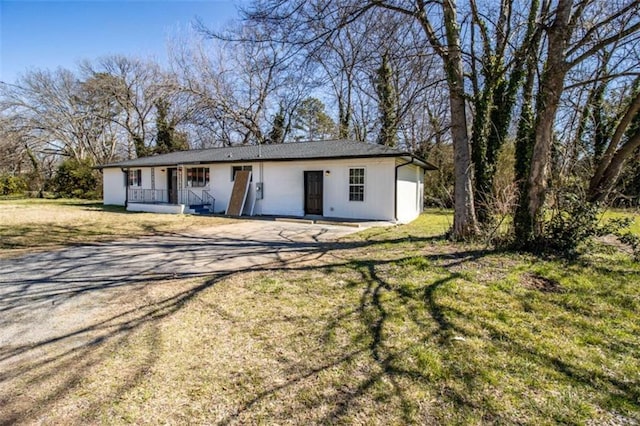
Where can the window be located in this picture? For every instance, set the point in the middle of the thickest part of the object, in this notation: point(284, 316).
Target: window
point(135, 177)
point(197, 177)
point(235, 169)
point(356, 184)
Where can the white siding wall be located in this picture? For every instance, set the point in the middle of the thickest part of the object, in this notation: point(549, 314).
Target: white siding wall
point(284, 187)
point(410, 192)
point(146, 177)
point(113, 187)
point(160, 179)
point(220, 184)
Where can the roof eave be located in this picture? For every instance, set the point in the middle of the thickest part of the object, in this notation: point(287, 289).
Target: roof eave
point(126, 164)
point(419, 161)
point(424, 163)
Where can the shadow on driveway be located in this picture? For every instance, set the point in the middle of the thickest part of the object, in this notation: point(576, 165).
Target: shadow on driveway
point(39, 292)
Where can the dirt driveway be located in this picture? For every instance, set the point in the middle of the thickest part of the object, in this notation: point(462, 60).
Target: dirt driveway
point(46, 297)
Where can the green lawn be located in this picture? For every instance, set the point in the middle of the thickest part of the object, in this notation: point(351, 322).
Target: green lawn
point(389, 326)
point(634, 214)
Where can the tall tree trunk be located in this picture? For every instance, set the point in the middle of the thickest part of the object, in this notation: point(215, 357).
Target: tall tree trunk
point(464, 221)
point(525, 136)
point(495, 105)
point(550, 90)
point(524, 148)
point(37, 172)
point(483, 172)
point(140, 148)
point(343, 120)
point(386, 103)
point(465, 224)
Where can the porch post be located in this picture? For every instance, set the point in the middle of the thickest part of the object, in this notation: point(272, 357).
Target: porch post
point(180, 183)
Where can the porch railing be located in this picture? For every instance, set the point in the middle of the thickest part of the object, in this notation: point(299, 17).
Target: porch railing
point(185, 196)
point(191, 198)
point(208, 200)
point(139, 195)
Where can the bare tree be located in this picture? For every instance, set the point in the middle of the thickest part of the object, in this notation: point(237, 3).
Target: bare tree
point(59, 116)
point(13, 150)
point(448, 46)
point(498, 47)
point(236, 89)
point(134, 86)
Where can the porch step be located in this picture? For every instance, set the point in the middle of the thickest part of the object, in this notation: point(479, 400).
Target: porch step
point(199, 209)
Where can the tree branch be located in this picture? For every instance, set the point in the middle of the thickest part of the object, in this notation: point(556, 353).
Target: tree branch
point(603, 43)
point(594, 29)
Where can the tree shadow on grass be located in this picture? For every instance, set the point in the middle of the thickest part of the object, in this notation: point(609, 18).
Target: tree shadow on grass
point(448, 324)
point(375, 346)
point(378, 300)
point(459, 387)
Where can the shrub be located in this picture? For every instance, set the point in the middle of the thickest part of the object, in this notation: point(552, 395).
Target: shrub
point(570, 223)
point(11, 184)
point(573, 221)
point(76, 179)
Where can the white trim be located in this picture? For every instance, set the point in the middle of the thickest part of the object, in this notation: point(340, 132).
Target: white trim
point(156, 208)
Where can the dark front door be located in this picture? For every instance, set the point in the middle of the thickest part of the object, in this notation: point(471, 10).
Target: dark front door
point(313, 192)
point(172, 185)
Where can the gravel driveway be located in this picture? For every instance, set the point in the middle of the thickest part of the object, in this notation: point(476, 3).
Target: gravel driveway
point(51, 294)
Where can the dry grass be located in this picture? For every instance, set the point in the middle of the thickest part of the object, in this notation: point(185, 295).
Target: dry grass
point(32, 225)
point(393, 326)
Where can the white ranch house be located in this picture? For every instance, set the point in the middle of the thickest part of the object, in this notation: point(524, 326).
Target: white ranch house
point(334, 179)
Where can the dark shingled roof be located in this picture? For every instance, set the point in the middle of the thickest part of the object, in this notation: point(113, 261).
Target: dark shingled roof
point(276, 152)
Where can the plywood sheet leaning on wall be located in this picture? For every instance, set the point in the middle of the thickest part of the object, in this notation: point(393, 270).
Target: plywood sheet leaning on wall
point(239, 193)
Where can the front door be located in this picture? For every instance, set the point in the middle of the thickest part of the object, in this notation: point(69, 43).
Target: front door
point(172, 185)
point(313, 192)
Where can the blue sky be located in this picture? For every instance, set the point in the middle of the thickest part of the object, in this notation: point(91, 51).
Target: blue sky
point(48, 34)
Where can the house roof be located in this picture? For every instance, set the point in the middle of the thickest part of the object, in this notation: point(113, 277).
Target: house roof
point(331, 149)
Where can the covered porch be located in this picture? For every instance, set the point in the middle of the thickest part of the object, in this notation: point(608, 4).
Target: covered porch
point(169, 189)
point(167, 201)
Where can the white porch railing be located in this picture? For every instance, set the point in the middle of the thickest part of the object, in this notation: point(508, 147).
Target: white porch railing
point(189, 198)
point(208, 200)
point(139, 195)
point(184, 196)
